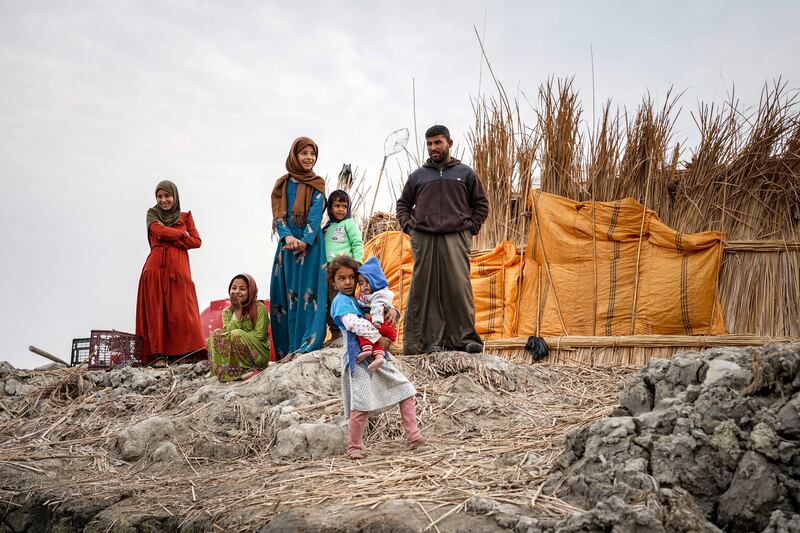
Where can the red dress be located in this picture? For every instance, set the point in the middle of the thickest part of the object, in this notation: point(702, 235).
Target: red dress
point(167, 315)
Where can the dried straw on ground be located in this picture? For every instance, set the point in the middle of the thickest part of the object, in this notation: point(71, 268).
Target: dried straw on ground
point(500, 448)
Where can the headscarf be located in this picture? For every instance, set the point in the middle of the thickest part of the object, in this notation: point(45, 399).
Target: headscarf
point(337, 192)
point(250, 307)
point(307, 181)
point(156, 214)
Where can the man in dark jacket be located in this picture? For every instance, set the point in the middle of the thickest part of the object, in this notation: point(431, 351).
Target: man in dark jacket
point(442, 206)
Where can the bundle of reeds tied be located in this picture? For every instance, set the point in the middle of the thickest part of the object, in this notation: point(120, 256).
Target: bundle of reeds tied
point(378, 223)
point(742, 178)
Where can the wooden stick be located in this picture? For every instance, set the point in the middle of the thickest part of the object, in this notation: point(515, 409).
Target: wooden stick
point(643, 341)
point(594, 264)
point(448, 513)
point(520, 281)
point(414, 108)
point(733, 247)
point(536, 496)
point(47, 355)
point(538, 300)
point(375, 196)
point(546, 262)
point(432, 523)
point(639, 246)
point(720, 251)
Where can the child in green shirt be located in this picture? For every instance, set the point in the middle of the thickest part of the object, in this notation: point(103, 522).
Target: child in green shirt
point(342, 237)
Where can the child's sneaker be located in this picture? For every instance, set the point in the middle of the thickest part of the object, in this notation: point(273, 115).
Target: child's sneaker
point(378, 362)
point(366, 351)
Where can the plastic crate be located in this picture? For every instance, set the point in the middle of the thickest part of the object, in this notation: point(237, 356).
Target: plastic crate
point(80, 351)
point(113, 349)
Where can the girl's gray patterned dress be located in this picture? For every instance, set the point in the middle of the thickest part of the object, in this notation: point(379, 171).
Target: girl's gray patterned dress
point(373, 391)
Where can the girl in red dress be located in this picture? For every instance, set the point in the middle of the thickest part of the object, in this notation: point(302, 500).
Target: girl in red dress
point(167, 315)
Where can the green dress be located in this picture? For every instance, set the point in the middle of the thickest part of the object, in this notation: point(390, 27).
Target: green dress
point(239, 346)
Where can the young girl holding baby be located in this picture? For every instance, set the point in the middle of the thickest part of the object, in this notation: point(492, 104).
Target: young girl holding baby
point(365, 391)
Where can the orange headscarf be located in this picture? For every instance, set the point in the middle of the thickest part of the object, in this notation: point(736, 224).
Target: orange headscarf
point(307, 181)
point(250, 307)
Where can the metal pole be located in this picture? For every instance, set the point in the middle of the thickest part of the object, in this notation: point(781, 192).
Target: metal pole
point(375, 196)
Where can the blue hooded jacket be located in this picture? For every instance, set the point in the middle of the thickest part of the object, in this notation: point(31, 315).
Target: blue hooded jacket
point(372, 271)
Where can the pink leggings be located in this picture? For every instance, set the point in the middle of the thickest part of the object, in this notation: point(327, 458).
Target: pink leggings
point(358, 421)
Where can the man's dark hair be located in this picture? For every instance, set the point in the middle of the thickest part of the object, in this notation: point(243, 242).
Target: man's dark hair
point(438, 129)
point(341, 261)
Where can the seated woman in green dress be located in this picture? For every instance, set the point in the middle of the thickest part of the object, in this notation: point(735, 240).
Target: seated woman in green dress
point(240, 350)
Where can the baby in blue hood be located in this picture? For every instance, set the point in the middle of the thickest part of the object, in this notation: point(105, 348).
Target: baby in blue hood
point(376, 301)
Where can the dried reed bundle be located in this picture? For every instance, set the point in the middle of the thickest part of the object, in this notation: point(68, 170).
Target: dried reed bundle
point(631, 350)
point(503, 155)
point(352, 181)
point(761, 246)
point(644, 341)
point(378, 223)
point(632, 357)
point(558, 119)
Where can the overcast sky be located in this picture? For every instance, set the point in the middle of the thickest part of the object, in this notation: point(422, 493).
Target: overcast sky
point(101, 100)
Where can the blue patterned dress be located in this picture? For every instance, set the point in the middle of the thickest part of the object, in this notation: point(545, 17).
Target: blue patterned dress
point(298, 289)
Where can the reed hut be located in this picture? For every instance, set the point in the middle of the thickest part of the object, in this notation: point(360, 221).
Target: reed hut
point(729, 204)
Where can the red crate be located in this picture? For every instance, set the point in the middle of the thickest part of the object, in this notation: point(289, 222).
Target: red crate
point(113, 349)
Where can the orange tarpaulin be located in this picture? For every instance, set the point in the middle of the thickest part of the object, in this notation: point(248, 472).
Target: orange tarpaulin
point(588, 272)
point(495, 277)
point(585, 271)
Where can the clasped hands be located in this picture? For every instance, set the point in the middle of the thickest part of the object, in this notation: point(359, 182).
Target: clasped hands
point(294, 244)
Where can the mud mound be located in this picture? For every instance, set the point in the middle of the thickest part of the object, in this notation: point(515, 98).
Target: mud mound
point(174, 450)
point(703, 442)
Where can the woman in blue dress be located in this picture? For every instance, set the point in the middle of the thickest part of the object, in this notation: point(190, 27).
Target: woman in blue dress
point(298, 288)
